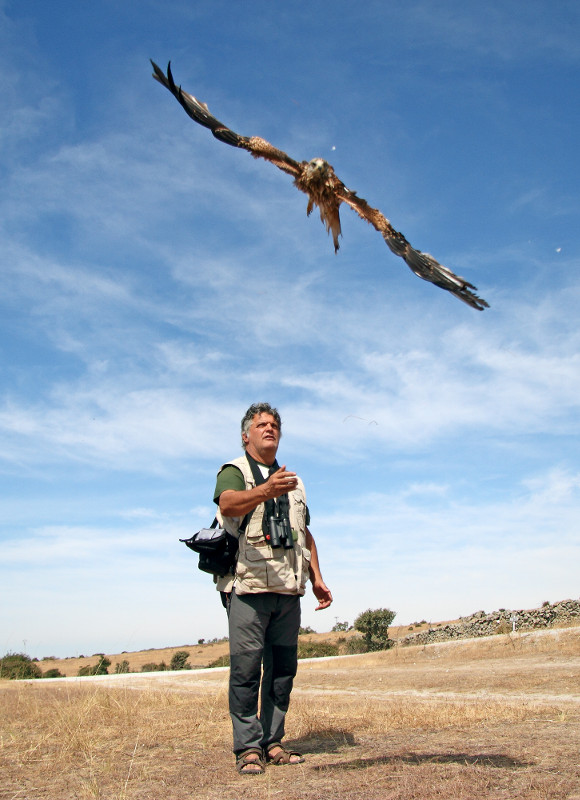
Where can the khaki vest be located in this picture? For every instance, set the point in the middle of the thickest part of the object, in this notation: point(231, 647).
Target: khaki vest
point(260, 567)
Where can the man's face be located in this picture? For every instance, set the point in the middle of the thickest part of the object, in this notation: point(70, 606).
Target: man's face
point(263, 438)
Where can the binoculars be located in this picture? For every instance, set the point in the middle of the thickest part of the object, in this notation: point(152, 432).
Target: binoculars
point(280, 533)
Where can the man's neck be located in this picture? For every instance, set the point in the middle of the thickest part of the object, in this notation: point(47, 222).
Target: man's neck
point(261, 458)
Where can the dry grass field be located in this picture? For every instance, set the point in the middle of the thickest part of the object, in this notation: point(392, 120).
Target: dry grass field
point(491, 718)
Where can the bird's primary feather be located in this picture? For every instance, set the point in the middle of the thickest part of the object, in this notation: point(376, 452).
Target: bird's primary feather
point(317, 179)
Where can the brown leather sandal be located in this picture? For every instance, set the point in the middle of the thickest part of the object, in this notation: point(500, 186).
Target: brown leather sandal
point(244, 760)
point(283, 756)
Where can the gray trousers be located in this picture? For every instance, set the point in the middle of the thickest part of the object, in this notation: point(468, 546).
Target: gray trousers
point(263, 628)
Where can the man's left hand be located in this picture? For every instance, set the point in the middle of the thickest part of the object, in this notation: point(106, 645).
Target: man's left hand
point(322, 594)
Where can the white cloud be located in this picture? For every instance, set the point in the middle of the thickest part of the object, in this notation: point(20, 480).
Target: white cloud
point(453, 386)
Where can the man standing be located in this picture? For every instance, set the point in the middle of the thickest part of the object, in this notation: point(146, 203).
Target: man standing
point(276, 556)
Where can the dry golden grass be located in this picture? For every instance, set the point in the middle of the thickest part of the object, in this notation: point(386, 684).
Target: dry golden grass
point(496, 718)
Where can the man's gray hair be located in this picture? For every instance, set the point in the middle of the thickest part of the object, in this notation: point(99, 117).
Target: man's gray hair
point(258, 408)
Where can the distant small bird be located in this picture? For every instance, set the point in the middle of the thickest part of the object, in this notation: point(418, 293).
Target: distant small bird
point(317, 179)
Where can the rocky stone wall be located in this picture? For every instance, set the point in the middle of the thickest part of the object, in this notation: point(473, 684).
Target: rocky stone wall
point(566, 612)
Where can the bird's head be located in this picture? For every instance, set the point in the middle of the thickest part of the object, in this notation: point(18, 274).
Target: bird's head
point(317, 168)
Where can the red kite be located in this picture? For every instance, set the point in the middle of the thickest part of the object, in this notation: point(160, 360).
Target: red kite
point(317, 179)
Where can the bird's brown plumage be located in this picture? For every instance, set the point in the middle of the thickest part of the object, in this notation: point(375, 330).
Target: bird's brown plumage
point(317, 179)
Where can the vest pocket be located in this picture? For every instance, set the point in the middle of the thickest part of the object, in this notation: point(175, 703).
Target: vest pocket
point(304, 558)
point(264, 569)
point(298, 510)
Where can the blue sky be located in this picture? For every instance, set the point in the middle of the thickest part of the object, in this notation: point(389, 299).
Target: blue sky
point(155, 282)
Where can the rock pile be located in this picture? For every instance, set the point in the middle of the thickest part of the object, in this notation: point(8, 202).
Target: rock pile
point(566, 612)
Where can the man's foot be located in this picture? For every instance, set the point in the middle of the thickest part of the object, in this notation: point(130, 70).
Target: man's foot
point(277, 755)
point(250, 762)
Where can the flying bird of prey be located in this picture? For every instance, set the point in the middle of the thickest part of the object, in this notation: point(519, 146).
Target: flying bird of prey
point(317, 179)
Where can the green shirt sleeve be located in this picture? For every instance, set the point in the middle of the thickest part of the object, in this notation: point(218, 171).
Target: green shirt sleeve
point(229, 478)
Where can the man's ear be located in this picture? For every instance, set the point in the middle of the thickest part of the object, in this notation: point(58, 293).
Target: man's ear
point(245, 438)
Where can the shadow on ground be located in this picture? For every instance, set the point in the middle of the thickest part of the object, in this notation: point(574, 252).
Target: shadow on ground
point(327, 740)
point(480, 759)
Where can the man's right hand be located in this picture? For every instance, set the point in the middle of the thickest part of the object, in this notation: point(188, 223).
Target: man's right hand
point(280, 482)
point(238, 503)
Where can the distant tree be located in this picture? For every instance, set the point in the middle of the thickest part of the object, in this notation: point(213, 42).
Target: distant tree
point(18, 666)
point(122, 667)
point(179, 659)
point(201, 641)
point(374, 625)
point(340, 626)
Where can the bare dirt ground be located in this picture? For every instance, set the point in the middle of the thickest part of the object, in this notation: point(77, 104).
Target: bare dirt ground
point(491, 718)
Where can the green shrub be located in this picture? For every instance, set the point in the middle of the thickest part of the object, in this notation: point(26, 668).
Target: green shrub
point(222, 661)
point(18, 666)
point(100, 668)
point(355, 645)
point(53, 673)
point(103, 664)
point(317, 649)
point(152, 667)
point(179, 659)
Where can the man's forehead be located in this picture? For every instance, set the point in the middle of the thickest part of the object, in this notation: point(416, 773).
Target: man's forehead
point(264, 416)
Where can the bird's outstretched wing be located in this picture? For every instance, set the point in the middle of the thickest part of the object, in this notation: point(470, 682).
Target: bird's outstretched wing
point(325, 190)
point(199, 112)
